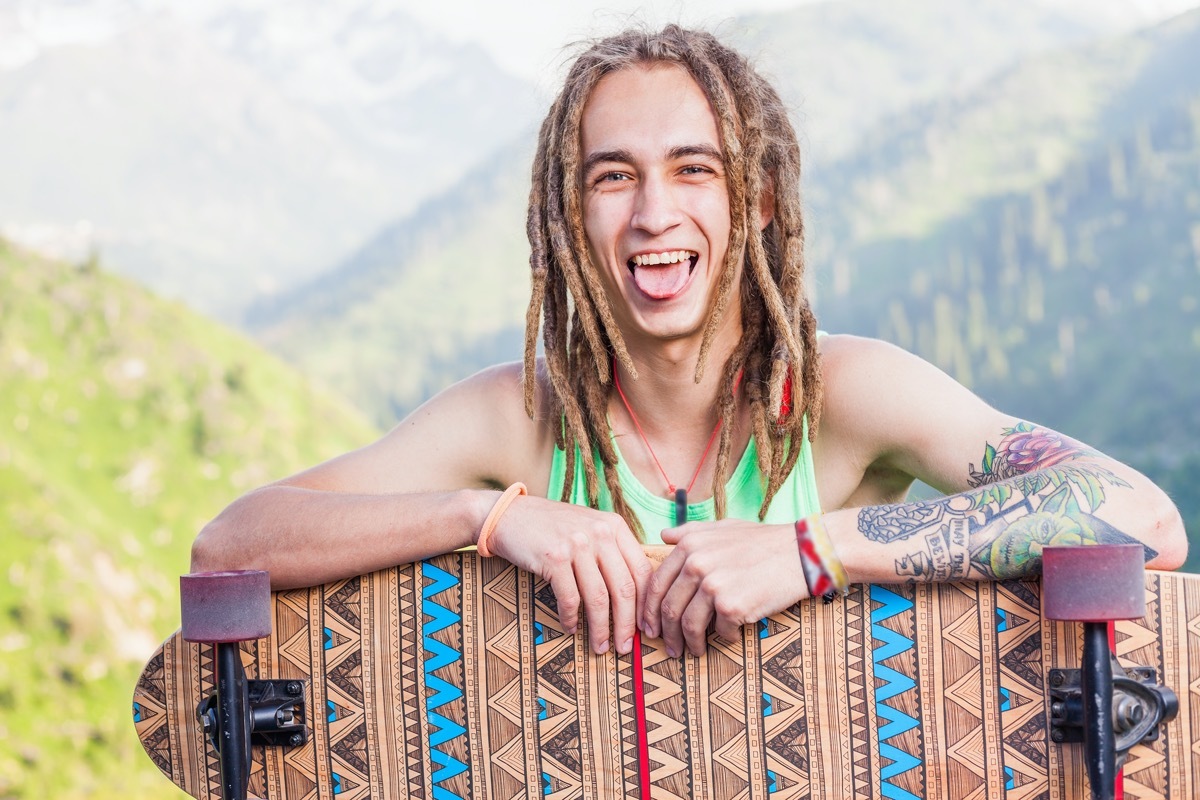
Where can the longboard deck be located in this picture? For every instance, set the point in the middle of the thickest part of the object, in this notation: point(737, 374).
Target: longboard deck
point(451, 678)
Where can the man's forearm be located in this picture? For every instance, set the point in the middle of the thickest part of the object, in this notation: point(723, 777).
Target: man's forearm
point(1035, 489)
point(305, 537)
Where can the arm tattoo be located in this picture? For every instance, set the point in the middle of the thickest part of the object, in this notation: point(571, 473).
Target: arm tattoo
point(1028, 493)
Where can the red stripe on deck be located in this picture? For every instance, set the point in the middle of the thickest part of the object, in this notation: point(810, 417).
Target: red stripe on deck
point(1119, 781)
point(639, 706)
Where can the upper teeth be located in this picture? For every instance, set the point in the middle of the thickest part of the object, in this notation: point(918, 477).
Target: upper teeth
point(669, 257)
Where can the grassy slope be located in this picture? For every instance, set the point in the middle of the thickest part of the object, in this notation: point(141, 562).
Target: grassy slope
point(125, 423)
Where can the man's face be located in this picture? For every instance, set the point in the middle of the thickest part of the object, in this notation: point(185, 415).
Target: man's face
point(655, 202)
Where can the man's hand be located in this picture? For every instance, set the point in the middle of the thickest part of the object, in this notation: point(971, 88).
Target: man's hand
point(589, 557)
point(734, 570)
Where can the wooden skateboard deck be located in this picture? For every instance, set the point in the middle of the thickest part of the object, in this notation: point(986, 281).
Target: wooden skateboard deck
point(451, 678)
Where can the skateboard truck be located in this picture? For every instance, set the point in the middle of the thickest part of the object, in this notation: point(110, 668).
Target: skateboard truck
point(224, 609)
point(1107, 707)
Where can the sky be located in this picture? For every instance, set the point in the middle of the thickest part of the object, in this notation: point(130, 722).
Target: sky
point(527, 38)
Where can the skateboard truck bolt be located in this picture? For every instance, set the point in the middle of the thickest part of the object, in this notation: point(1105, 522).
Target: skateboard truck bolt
point(224, 609)
point(1108, 708)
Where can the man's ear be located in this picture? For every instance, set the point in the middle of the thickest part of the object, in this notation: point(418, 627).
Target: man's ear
point(766, 204)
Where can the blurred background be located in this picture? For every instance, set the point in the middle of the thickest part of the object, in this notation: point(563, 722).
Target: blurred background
point(237, 238)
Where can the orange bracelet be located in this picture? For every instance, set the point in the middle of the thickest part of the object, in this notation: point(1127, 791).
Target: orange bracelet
point(494, 515)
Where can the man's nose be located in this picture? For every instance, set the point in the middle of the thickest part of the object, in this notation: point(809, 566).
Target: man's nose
point(657, 208)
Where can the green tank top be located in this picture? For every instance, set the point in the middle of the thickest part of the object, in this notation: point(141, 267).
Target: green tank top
point(797, 497)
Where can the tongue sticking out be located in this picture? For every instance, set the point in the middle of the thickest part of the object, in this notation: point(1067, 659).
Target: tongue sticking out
point(662, 281)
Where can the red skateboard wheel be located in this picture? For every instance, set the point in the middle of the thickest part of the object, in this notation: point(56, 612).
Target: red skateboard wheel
point(1094, 583)
point(225, 606)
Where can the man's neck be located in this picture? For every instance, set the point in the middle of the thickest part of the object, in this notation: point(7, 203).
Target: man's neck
point(665, 395)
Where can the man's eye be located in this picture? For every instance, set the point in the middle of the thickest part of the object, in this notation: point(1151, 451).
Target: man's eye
point(696, 169)
point(612, 177)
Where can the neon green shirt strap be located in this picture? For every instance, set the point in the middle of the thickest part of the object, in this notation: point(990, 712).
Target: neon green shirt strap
point(797, 497)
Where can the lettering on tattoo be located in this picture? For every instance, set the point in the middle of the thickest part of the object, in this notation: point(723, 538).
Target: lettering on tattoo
point(944, 558)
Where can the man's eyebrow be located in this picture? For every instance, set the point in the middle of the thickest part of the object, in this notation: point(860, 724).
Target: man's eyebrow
point(686, 150)
point(606, 157)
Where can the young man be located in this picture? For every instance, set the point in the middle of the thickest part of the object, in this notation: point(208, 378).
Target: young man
point(667, 257)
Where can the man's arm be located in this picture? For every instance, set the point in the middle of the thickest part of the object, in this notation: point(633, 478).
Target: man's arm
point(425, 489)
point(1012, 487)
point(420, 490)
point(1035, 489)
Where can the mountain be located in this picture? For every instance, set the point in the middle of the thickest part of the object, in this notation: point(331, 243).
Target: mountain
point(1008, 134)
point(429, 300)
point(223, 151)
point(1009, 203)
point(127, 422)
point(846, 66)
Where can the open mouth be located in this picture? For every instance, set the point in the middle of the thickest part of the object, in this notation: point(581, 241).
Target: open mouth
point(663, 275)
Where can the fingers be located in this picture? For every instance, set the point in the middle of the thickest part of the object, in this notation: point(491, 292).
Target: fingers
point(659, 584)
point(695, 621)
point(671, 612)
point(640, 569)
point(566, 596)
point(594, 594)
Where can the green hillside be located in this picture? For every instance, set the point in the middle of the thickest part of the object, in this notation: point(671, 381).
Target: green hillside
point(125, 423)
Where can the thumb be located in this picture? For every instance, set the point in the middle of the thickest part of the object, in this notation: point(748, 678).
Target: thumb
point(672, 535)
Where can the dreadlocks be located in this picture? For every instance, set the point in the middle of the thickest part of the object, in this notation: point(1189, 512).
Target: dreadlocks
point(777, 353)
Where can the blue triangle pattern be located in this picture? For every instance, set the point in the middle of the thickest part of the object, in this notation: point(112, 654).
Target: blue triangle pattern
point(898, 721)
point(889, 643)
point(442, 730)
point(901, 761)
point(438, 655)
point(442, 618)
point(442, 654)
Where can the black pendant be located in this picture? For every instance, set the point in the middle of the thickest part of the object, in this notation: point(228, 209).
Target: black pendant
point(680, 507)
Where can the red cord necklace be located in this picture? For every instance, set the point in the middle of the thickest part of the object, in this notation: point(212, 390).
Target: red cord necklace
point(680, 494)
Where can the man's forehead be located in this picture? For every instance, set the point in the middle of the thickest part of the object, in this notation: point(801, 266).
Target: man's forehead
point(648, 110)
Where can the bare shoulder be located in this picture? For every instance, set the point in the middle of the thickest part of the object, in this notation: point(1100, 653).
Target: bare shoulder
point(869, 382)
point(473, 434)
point(889, 416)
